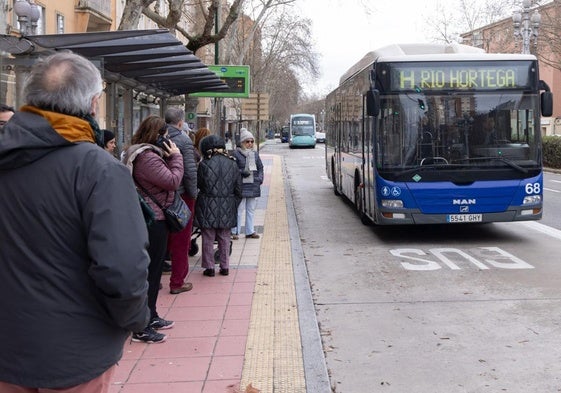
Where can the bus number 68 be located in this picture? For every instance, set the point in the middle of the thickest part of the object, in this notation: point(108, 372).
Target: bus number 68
point(533, 188)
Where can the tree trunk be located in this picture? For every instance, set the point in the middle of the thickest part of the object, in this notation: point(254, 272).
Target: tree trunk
point(131, 13)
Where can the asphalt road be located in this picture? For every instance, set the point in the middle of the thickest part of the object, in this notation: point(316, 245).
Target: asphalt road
point(462, 308)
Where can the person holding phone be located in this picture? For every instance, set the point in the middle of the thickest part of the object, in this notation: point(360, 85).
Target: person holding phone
point(157, 169)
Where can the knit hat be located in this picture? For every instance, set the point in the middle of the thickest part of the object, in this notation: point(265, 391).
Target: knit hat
point(211, 142)
point(245, 135)
point(107, 136)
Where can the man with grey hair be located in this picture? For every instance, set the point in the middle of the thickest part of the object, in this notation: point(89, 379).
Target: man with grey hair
point(179, 242)
point(73, 260)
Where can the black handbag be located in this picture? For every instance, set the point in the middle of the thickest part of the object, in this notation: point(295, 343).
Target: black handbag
point(177, 214)
point(147, 211)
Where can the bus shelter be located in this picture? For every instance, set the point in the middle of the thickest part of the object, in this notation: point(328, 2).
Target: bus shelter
point(138, 67)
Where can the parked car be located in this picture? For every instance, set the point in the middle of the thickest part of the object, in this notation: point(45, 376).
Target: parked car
point(320, 137)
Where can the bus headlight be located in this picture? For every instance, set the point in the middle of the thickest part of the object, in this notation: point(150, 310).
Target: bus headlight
point(392, 203)
point(532, 199)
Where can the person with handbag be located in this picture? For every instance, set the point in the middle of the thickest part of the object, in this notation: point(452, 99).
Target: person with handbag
point(157, 170)
point(220, 192)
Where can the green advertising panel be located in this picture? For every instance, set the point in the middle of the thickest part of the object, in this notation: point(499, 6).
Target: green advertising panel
point(236, 77)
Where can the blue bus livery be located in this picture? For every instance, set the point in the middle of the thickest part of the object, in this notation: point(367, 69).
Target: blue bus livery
point(430, 133)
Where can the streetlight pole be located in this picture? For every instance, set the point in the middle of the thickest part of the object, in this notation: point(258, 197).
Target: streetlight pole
point(526, 26)
point(28, 14)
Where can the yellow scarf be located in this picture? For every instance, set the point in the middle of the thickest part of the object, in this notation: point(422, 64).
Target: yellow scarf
point(71, 128)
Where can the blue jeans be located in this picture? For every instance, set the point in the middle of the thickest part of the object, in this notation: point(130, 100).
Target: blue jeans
point(247, 204)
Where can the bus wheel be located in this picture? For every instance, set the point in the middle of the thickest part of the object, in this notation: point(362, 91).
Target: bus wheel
point(365, 220)
point(335, 191)
point(358, 198)
point(359, 204)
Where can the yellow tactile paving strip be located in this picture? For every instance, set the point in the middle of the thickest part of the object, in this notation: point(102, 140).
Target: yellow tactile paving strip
point(273, 355)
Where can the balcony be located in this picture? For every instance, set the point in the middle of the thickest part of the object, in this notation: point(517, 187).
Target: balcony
point(96, 15)
point(100, 7)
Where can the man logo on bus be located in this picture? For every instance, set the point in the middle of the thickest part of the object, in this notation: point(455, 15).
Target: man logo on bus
point(464, 201)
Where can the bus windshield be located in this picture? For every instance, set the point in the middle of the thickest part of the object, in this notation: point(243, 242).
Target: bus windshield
point(303, 126)
point(457, 130)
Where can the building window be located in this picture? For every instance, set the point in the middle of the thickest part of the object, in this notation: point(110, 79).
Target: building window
point(59, 24)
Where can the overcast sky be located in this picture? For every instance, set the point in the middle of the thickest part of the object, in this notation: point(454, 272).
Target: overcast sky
point(344, 31)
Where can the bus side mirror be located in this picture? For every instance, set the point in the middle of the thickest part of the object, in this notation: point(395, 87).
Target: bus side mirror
point(547, 103)
point(373, 102)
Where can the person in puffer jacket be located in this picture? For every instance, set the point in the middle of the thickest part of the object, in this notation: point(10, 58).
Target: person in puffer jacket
point(157, 170)
point(220, 192)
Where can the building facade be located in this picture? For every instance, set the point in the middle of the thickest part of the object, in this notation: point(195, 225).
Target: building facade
point(122, 107)
point(499, 37)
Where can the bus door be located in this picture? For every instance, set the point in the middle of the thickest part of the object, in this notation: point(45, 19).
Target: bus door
point(338, 145)
point(367, 168)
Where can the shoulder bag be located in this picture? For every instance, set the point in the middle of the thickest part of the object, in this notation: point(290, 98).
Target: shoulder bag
point(147, 211)
point(177, 214)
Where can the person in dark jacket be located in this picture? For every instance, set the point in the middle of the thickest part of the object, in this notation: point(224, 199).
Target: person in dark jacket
point(157, 170)
point(251, 169)
point(180, 242)
point(220, 193)
point(73, 259)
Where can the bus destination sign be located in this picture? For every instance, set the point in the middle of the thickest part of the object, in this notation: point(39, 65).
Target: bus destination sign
point(459, 77)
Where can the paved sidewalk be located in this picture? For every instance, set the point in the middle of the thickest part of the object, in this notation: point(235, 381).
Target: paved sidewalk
point(231, 331)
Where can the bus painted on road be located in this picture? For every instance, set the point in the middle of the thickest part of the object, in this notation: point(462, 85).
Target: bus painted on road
point(431, 133)
point(302, 132)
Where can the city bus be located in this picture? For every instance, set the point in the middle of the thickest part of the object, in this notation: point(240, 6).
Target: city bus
point(285, 134)
point(302, 132)
point(437, 134)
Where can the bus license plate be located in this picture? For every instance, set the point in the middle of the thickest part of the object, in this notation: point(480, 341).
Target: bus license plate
point(464, 218)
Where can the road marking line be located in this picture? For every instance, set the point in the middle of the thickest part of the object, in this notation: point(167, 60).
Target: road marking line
point(555, 233)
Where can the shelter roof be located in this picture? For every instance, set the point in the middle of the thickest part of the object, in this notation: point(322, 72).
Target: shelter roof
point(151, 61)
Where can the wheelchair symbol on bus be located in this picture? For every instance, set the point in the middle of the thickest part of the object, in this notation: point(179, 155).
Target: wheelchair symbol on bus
point(393, 191)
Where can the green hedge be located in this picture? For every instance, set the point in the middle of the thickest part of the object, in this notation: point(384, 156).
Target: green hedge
point(552, 151)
